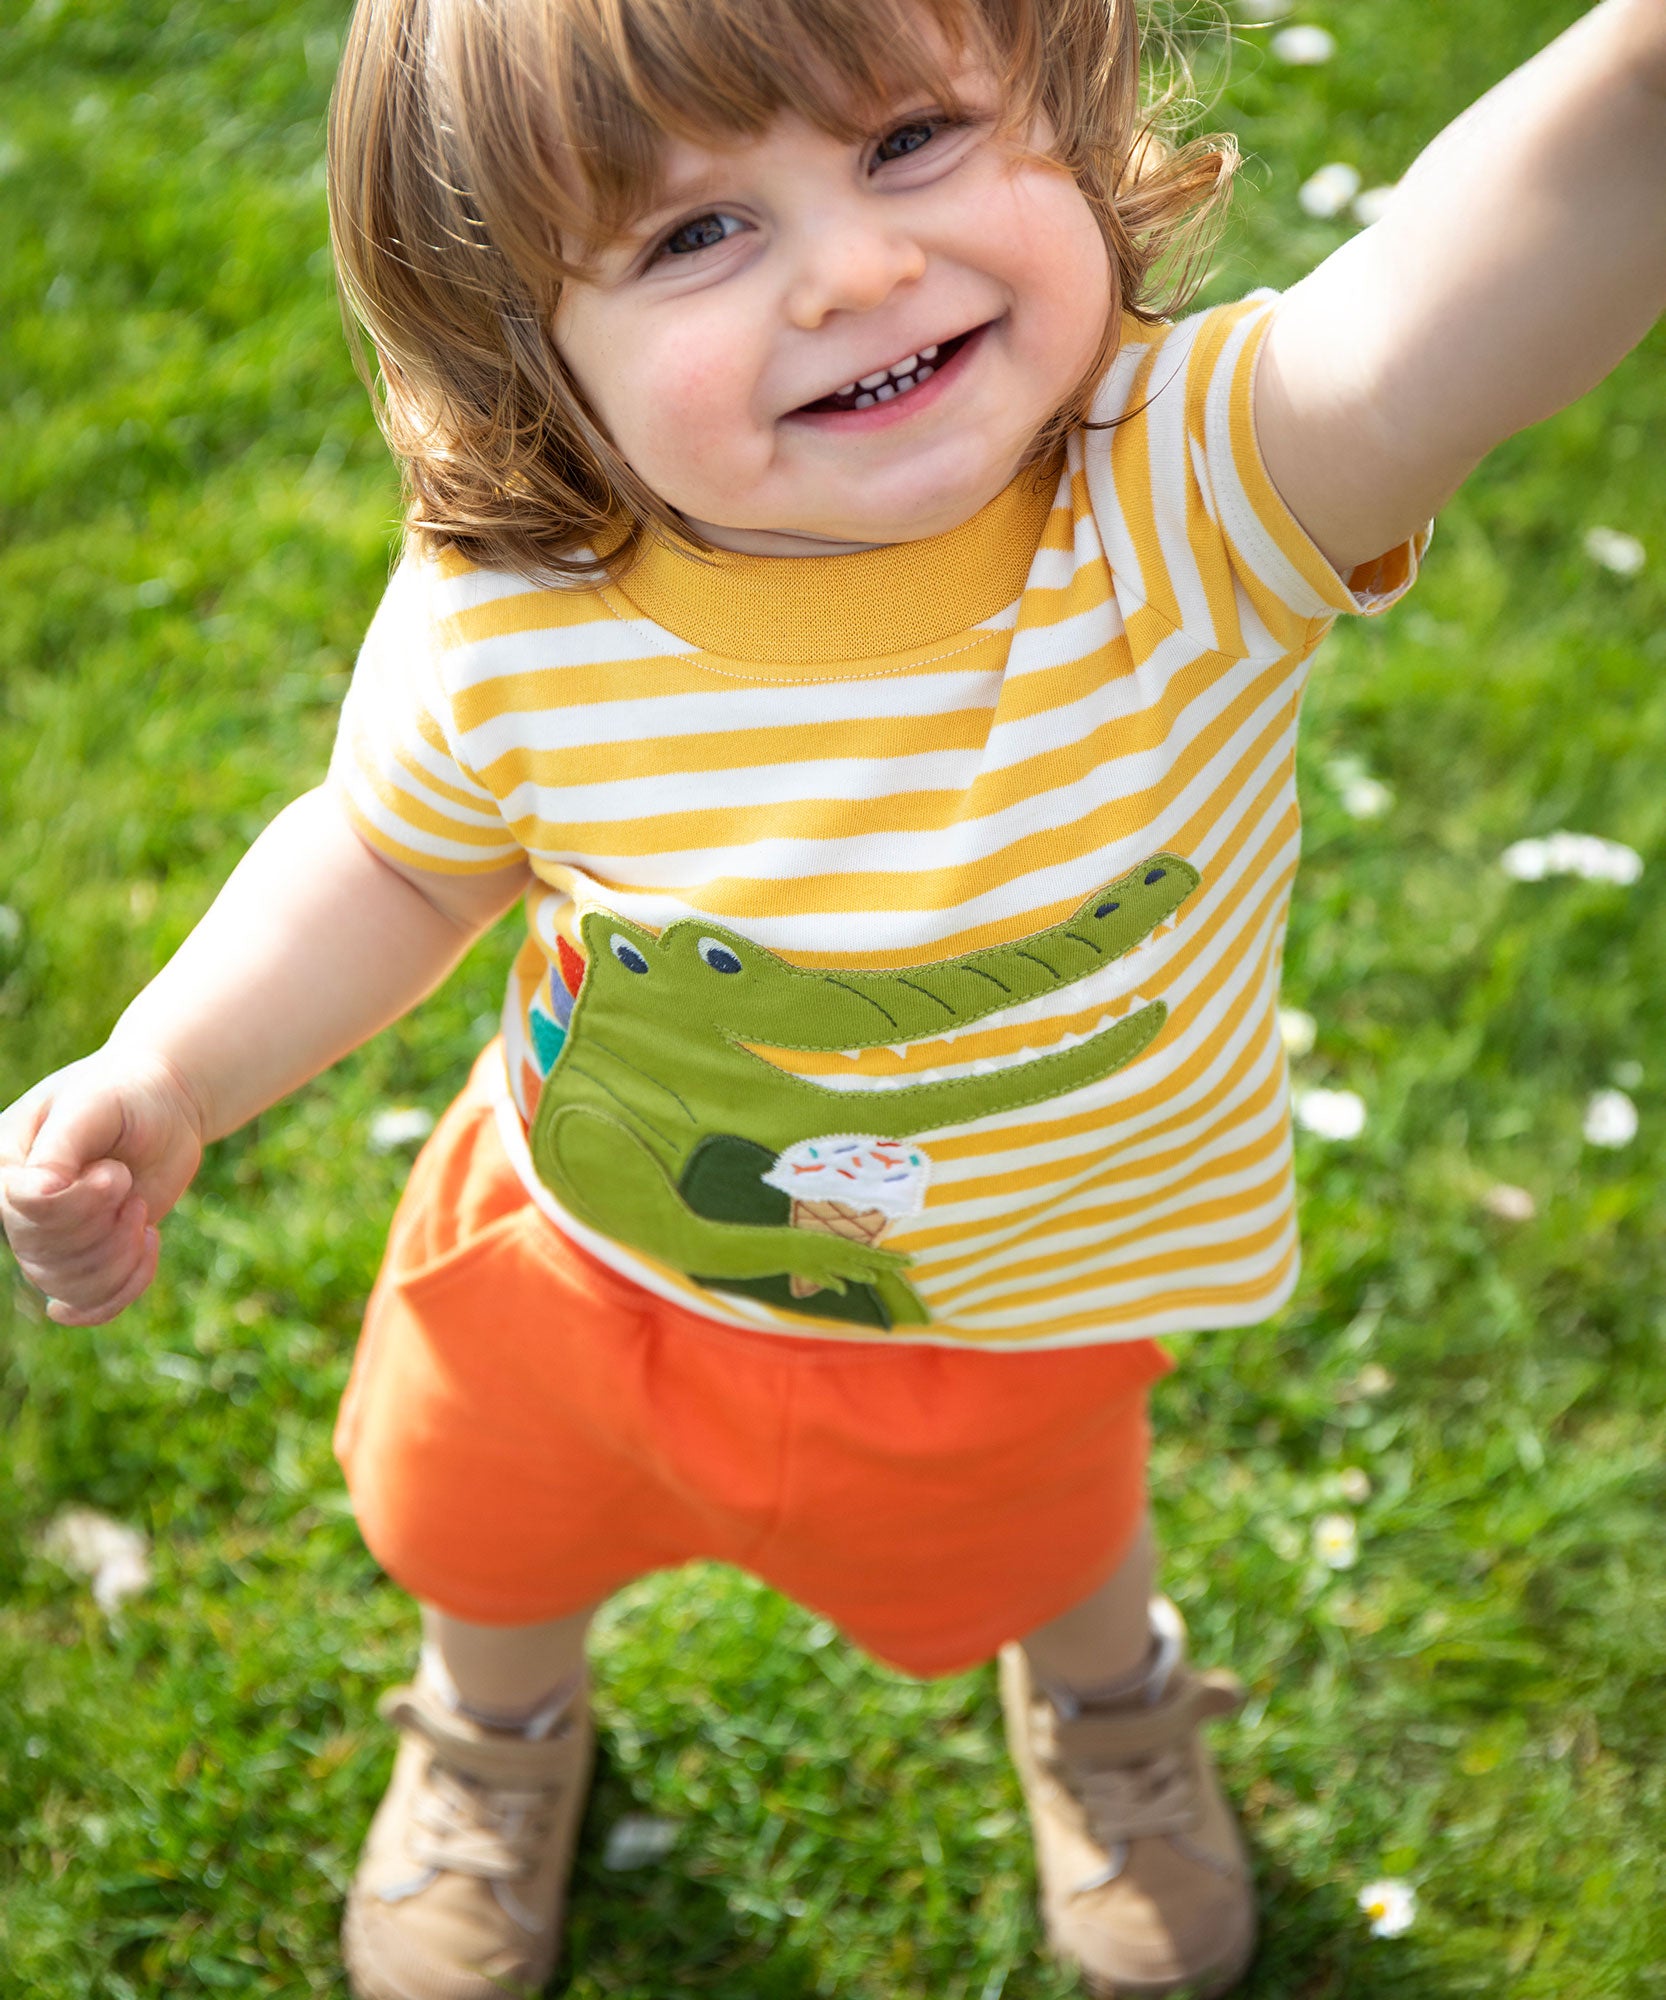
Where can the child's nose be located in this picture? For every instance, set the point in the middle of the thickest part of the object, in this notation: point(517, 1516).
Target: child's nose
point(852, 266)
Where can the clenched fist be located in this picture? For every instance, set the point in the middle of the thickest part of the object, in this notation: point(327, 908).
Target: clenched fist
point(91, 1160)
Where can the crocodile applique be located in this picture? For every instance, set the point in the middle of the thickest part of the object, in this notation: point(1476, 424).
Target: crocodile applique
point(664, 1124)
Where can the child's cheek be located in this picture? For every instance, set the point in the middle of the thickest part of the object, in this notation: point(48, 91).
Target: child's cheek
point(701, 392)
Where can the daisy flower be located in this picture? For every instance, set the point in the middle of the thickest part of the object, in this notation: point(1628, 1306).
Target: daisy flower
point(1615, 550)
point(400, 1125)
point(1304, 46)
point(1336, 1541)
point(1330, 190)
point(1330, 1114)
point(1390, 1905)
point(1610, 1119)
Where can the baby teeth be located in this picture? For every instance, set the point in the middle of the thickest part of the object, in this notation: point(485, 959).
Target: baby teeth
point(886, 383)
point(929, 353)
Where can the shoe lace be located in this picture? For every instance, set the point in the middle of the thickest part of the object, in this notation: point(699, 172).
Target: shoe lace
point(465, 1827)
point(1124, 1802)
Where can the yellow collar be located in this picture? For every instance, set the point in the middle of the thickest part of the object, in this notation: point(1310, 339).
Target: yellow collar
point(821, 609)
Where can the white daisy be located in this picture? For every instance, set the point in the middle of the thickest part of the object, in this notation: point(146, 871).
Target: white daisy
point(115, 1556)
point(1366, 798)
point(1372, 205)
point(1330, 190)
point(1509, 1204)
point(1587, 855)
point(400, 1125)
point(1336, 1541)
point(1362, 796)
point(1330, 1114)
point(1304, 46)
point(1391, 1906)
point(1615, 550)
point(1610, 1119)
point(1297, 1030)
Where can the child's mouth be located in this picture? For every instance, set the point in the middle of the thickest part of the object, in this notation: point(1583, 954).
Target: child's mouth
point(902, 379)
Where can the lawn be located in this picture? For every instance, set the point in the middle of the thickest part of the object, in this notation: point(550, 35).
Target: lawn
point(195, 520)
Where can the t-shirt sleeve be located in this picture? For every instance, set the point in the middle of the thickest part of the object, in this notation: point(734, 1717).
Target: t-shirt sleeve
point(400, 763)
point(1193, 526)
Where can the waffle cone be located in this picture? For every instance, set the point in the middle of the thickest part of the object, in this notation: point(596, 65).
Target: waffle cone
point(835, 1218)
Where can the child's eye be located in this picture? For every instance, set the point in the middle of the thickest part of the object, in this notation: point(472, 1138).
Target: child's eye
point(906, 139)
point(700, 234)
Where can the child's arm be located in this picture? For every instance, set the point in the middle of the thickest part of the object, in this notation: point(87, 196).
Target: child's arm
point(313, 945)
point(1523, 255)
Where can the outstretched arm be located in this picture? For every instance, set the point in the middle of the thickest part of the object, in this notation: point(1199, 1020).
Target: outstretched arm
point(1522, 256)
point(314, 944)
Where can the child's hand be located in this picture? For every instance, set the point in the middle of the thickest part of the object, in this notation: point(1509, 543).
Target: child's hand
point(90, 1161)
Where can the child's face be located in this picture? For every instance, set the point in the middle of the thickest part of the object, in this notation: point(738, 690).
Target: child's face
point(782, 269)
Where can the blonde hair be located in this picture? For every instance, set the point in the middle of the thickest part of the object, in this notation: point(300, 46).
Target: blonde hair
point(481, 152)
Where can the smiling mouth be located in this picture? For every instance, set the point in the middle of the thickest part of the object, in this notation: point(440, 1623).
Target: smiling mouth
point(886, 384)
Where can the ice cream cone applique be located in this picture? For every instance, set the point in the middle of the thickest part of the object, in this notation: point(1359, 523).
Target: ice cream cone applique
point(849, 1186)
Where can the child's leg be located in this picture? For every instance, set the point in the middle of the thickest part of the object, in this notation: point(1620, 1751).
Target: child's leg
point(1102, 1647)
point(460, 1891)
point(1144, 1881)
point(503, 1675)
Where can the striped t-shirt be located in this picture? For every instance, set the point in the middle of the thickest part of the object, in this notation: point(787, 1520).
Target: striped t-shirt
point(903, 954)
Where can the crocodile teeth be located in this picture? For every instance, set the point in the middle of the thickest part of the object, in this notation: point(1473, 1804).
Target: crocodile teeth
point(1116, 1011)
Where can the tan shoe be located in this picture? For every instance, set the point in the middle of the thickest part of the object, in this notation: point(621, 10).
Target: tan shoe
point(462, 1883)
point(1144, 1880)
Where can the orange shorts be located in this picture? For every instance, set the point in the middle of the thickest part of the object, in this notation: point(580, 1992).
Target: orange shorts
point(525, 1431)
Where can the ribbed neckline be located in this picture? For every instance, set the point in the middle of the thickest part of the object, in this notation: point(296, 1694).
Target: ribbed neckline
point(816, 610)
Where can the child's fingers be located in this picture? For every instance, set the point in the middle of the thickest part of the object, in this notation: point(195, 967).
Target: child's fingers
point(82, 1126)
point(48, 1197)
point(44, 1228)
point(85, 1284)
point(78, 1251)
point(123, 1289)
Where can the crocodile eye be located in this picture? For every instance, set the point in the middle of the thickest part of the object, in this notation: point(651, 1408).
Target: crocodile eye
point(1156, 875)
point(1105, 909)
point(718, 955)
point(627, 954)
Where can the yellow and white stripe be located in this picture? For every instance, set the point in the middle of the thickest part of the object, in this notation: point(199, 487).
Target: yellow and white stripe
point(891, 758)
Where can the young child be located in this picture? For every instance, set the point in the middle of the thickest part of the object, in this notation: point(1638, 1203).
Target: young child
point(869, 638)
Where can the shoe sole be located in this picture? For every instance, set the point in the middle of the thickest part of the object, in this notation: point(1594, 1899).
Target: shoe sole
point(1211, 1982)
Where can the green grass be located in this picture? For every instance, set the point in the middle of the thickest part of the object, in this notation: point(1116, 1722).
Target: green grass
point(194, 523)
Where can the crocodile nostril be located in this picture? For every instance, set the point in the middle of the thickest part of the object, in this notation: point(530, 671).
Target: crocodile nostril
point(1156, 875)
point(1105, 909)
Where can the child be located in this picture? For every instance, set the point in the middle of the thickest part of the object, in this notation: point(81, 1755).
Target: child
point(869, 637)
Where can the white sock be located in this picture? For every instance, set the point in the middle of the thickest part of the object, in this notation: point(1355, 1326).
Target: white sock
point(1147, 1680)
point(534, 1722)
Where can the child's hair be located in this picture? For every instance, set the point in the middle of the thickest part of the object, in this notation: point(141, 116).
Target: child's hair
point(481, 152)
